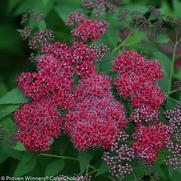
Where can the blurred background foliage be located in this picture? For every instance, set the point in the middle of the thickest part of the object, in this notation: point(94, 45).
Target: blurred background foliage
point(14, 53)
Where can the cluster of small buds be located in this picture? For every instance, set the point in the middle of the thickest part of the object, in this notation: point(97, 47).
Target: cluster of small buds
point(174, 157)
point(140, 21)
point(99, 6)
point(174, 116)
point(175, 23)
point(101, 51)
point(32, 15)
point(26, 32)
point(74, 18)
point(144, 112)
point(138, 80)
point(151, 24)
point(41, 38)
point(37, 123)
point(97, 116)
point(87, 29)
point(177, 84)
point(148, 140)
point(119, 157)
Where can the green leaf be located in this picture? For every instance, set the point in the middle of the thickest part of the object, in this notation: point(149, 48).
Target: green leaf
point(8, 125)
point(34, 5)
point(19, 146)
point(176, 175)
point(177, 8)
point(42, 25)
point(6, 110)
point(166, 64)
point(15, 96)
point(11, 152)
point(162, 38)
point(102, 169)
point(64, 8)
point(54, 168)
point(84, 159)
point(141, 8)
point(177, 74)
point(165, 9)
point(27, 163)
point(134, 39)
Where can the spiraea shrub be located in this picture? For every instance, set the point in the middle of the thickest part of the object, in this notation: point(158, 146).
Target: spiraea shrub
point(112, 108)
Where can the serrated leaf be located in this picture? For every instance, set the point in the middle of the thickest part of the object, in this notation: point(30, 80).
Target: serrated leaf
point(15, 96)
point(84, 159)
point(27, 163)
point(6, 110)
point(54, 168)
point(8, 125)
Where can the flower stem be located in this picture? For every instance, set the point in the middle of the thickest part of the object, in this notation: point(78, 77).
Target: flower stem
point(172, 63)
point(175, 90)
point(58, 156)
point(174, 100)
point(123, 42)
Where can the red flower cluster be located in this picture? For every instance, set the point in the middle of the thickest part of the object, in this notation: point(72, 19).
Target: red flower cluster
point(138, 80)
point(94, 117)
point(97, 117)
point(55, 69)
point(37, 123)
point(86, 29)
point(151, 139)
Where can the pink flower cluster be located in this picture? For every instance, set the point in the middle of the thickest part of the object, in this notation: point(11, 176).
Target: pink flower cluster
point(37, 123)
point(97, 117)
point(138, 80)
point(94, 117)
point(86, 29)
point(148, 140)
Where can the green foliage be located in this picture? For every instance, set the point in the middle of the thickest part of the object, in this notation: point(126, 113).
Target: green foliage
point(54, 167)
point(84, 160)
point(15, 160)
point(27, 163)
point(15, 96)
